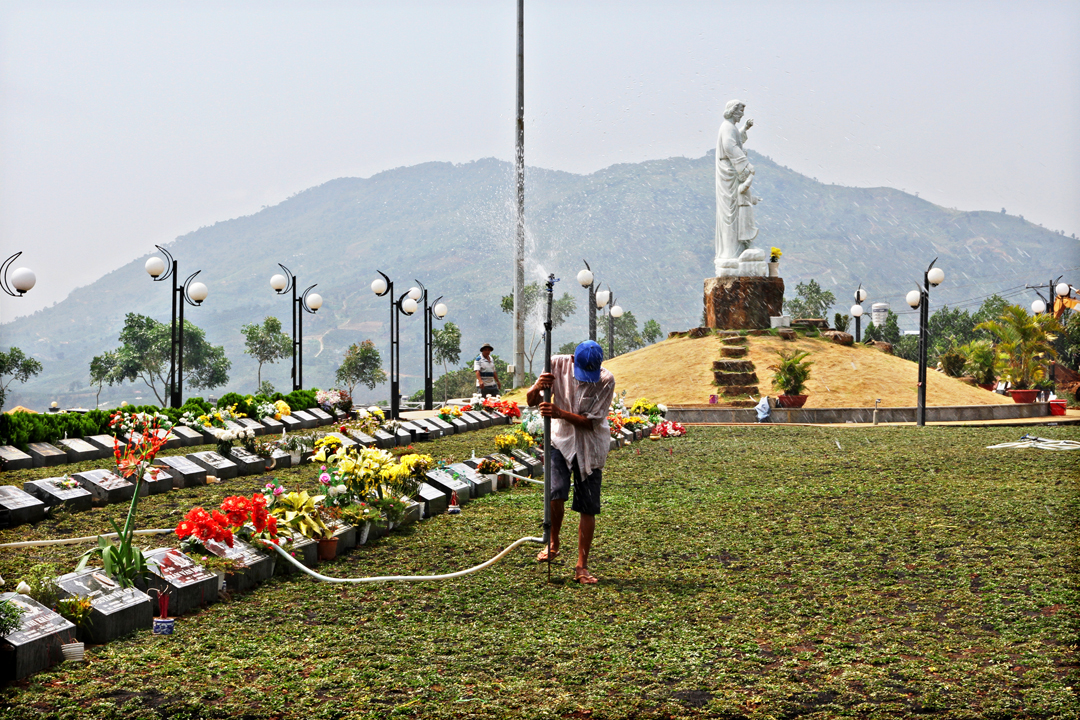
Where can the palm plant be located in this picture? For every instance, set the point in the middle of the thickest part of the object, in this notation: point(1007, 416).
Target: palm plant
point(791, 372)
point(980, 362)
point(1024, 344)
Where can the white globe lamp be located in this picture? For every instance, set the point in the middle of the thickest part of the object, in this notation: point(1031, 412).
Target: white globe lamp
point(1038, 307)
point(860, 295)
point(602, 297)
point(416, 293)
point(279, 282)
point(913, 298)
point(155, 266)
point(1062, 289)
point(936, 276)
point(197, 292)
point(23, 279)
point(585, 277)
point(856, 311)
point(616, 311)
point(408, 305)
point(314, 301)
point(440, 310)
point(378, 286)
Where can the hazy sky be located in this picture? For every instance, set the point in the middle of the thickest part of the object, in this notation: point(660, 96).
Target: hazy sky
point(125, 124)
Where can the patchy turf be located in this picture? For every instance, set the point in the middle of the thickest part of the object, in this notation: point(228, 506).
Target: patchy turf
point(745, 572)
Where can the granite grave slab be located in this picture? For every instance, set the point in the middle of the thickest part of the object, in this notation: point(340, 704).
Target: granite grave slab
point(106, 442)
point(307, 420)
point(46, 455)
point(214, 464)
point(279, 460)
point(384, 440)
point(362, 438)
point(471, 423)
point(480, 485)
point(433, 500)
point(321, 416)
point(184, 473)
point(346, 535)
point(12, 458)
point(35, 646)
point(189, 585)
point(479, 417)
point(247, 463)
point(291, 424)
point(459, 425)
point(273, 426)
point(255, 566)
point(78, 450)
point(254, 425)
point(106, 485)
point(536, 468)
point(412, 511)
point(445, 427)
point(51, 493)
point(403, 437)
point(345, 440)
point(187, 436)
point(448, 483)
point(22, 506)
point(114, 611)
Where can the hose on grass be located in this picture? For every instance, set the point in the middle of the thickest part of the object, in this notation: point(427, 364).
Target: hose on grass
point(78, 540)
point(1029, 441)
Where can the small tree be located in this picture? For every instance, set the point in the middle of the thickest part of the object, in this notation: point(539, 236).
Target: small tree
point(627, 337)
point(102, 371)
point(810, 301)
point(535, 313)
point(650, 332)
point(1024, 344)
point(266, 343)
point(446, 347)
point(15, 365)
point(841, 322)
point(144, 354)
point(362, 366)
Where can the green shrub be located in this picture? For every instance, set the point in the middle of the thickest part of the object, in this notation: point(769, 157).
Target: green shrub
point(952, 362)
point(237, 399)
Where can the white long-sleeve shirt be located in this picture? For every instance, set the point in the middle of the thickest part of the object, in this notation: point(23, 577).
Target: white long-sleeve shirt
point(590, 400)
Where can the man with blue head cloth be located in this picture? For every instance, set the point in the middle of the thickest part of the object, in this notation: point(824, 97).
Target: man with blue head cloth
point(581, 393)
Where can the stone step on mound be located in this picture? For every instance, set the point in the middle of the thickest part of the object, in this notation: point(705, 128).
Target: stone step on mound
point(731, 379)
point(734, 340)
point(738, 390)
point(739, 403)
point(733, 366)
point(735, 352)
point(787, 334)
point(838, 337)
point(700, 332)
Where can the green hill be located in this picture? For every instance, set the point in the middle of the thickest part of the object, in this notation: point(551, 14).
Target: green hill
point(646, 229)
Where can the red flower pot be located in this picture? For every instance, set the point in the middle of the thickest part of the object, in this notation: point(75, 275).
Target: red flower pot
point(791, 401)
point(1024, 396)
point(328, 548)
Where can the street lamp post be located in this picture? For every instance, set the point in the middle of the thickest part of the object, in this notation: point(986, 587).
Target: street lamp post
point(405, 305)
point(920, 299)
point(306, 302)
point(857, 312)
point(189, 293)
point(614, 312)
point(21, 281)
point(435, 310)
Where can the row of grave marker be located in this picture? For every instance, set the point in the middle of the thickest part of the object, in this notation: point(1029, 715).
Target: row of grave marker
point(31, 503)
point(117, 611)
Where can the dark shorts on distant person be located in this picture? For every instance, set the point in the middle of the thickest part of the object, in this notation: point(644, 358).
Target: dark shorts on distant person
point(489, 390)
point(586, 491)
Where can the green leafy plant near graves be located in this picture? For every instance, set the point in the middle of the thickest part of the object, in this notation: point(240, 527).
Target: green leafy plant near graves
point(791, 372)
point(299, 512)
point(41, 581)
point(10, 617)
point(77, 611)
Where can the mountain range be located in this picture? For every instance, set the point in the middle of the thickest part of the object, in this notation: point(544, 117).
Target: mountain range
point(645, 228)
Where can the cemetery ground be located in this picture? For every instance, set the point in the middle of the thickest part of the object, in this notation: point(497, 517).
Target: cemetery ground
point(787, 572)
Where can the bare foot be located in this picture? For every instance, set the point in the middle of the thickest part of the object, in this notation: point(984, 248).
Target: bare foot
point(544, 555)
point(583, 576)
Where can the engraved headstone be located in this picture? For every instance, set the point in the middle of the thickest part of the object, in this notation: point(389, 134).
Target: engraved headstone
point(46, 455)
point(433, 500)
point(497, 418)
point(418, 433)
point(480, 485)
point(323, 417)
point(189, 585)
point(78, 450)
point(256, 566)
point(536, 468)
point(384, 440)
point(23, 507)
point(50, 492)
point(479, 417)
point(247, 463)
point(156, 480)
point(303, 549)
point(35, 646)
point(184, 473)
point(105, 485)
point(114, 611)
point(171, 440)
point(362, 438)
point(12, 458)
point(254, 425)
point(412, 511)
point(187, 436)
point(291, 424)
point(346, 441)
point(628, 435)
point(307, 420)
point(448, 484)
point(459, 425)
point(279, 460)
point(403, 437)
point(472, 423)
point(106, 442)
point(214, 464)
point(272, 425)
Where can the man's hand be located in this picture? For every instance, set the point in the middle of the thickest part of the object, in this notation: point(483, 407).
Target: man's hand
point(545, 381)
point(550, 410)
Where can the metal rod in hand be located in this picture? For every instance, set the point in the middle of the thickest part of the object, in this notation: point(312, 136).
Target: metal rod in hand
point(547, 421)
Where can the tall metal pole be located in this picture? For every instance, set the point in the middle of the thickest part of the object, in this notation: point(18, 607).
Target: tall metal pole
point(592, 311)
point(395, 366)
point(172, 341)
point(611, 327)
point(547, 421)
point(519, 173)
point(299, 344)
point(178, 381)
point(292, 306)
point(427, 352)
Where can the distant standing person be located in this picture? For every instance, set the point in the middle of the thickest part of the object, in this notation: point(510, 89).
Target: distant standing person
point(487, 381)
point(581, 393)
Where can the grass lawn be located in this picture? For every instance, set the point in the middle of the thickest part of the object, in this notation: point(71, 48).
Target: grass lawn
point(745, 572)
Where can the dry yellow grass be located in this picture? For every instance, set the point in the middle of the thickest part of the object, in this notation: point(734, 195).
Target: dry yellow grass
point(678, 371)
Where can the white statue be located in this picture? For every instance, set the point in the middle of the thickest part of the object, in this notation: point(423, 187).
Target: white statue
point(735, 228)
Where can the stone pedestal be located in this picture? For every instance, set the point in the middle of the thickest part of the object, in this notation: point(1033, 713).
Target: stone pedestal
point(442, 480)
point(74, 499)
point(36, 644)
point(115, 612)
point(188, 584)
point(742, 303)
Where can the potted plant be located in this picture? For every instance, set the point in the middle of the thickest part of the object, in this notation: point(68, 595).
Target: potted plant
point(980, 363)
point(774, 262)
point(76, 610)
point(361, 515)
point(327, 541)
point(1024, 345)
point(789, 377)
point(490, 469)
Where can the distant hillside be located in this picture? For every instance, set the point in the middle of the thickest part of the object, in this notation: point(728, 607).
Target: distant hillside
point(646, 229)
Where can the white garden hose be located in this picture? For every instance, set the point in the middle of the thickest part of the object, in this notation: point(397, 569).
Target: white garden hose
point(78, 540)
point(402, 578)
point(1029, 441)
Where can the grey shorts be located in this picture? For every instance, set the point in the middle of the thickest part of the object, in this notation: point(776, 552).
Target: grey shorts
point(489, 390)
point(586, 491)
